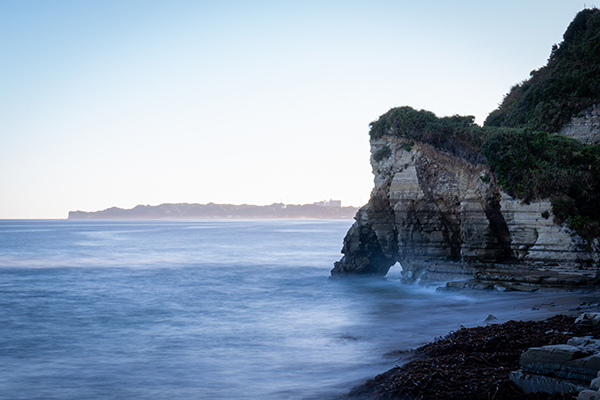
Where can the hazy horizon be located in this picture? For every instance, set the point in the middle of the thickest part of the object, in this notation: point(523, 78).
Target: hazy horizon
point(187, 203)
point(112, 103)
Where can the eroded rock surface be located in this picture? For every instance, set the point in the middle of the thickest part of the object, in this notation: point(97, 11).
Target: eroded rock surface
point(584, 127)
point(562, 368)
point(442, 217)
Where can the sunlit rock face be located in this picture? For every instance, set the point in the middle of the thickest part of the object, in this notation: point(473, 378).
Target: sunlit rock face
point(442, 217)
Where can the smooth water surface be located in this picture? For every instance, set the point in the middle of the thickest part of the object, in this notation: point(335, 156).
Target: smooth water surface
point(204, 310)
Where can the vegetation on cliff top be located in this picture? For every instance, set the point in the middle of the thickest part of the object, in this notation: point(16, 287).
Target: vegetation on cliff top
point(529, 162)
point(457, 134)
point(568, 84)
point(534, 165)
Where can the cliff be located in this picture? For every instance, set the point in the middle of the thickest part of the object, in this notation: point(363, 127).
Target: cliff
point(510, 204)
point(440, 217)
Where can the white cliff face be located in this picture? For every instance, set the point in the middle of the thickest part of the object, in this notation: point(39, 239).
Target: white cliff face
point(441, 216)
point(535, 238)
point(584, 127)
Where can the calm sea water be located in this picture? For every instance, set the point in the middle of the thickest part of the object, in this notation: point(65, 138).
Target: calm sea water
point(204, 310)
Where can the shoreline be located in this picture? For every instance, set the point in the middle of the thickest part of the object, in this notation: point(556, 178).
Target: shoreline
point(541, 310)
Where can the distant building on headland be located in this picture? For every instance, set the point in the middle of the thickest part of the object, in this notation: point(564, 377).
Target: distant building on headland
point(330, 203)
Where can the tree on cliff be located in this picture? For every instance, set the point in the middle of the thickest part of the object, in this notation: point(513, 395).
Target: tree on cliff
point(568, 84)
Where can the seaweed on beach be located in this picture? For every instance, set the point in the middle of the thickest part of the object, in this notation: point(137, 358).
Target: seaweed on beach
point(473, 363)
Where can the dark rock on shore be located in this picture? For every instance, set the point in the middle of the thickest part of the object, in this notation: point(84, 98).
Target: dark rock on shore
point(527, 280)
point(473, 363)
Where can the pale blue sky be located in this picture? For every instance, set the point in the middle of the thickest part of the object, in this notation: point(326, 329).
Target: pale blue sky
point(118, 103)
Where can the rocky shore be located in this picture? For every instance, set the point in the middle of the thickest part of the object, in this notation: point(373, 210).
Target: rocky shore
point(510, 360)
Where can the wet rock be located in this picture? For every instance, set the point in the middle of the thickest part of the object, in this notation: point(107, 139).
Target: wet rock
point(586, 343)
point(582, 341)
point(588, 395)
point(589, 319)
point(533, 383)
point(584, 368)
point(528, 280)
point(490, 318)
point(563, 361)
point(535, 359)
point(563, 367)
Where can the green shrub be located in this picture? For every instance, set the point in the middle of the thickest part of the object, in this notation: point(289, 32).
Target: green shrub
point(382, 153)
point(457, 134)
point(563, 207)
point(568, 84)
point(537, 165)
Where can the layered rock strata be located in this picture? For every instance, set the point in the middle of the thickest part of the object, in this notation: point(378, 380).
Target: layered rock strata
point(564, 368)
point(442, 217)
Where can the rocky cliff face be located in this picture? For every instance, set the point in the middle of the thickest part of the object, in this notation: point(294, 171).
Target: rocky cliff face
point(442, 217)
point(585, 126)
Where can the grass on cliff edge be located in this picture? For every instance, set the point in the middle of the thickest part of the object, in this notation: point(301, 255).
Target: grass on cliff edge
point(457, 134)
point(529, 165)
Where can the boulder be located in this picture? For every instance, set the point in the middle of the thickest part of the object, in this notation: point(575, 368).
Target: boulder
point(563, 361)
point(532, 383)
point(552, 355)
point(589, 319)
point(568, 368)
point(589, 395)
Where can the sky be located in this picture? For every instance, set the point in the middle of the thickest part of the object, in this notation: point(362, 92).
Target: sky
point(123, 102)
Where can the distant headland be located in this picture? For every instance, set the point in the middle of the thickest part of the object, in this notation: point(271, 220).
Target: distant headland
point(321, 210)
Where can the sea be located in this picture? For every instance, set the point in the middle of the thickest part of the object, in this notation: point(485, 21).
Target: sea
point(209, 309)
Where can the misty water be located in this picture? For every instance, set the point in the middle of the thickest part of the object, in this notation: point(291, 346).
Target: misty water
point(207, 310)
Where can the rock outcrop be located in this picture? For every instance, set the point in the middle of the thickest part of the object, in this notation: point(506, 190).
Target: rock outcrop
point(438, 210)
point(585, 126)
point(563, 368)
point(442, 216)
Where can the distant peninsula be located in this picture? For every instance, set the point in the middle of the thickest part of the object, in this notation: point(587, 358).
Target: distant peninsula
point(321, 210)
